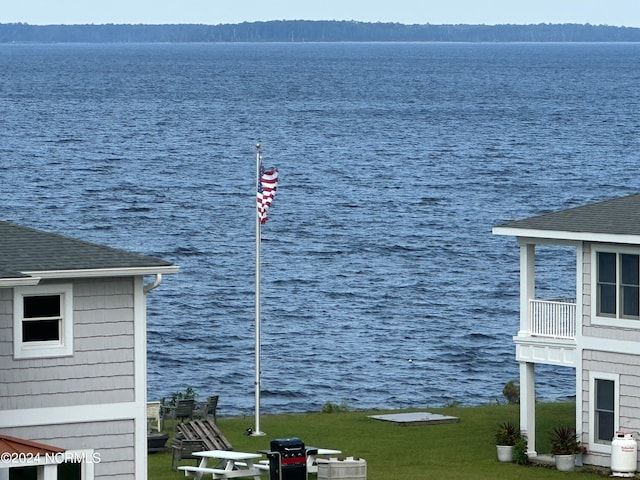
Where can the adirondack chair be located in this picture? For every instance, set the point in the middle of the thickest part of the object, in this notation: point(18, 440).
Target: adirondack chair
point(183, 449)
point(182, 409)
point(154, 416)
point(208, 409)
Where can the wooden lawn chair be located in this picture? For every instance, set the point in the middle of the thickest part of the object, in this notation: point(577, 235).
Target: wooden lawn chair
point(183, 449)
point(182, 409)
point(208, 409)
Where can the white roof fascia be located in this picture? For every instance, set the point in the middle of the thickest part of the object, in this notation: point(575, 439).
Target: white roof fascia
point(18, 282)
point(104, 272)
point(568, 236)
point(548, 241)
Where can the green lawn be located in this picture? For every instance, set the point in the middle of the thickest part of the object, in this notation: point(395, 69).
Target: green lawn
point(463, 450)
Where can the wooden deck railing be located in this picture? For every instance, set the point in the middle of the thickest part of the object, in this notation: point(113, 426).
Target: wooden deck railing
point(553, 318)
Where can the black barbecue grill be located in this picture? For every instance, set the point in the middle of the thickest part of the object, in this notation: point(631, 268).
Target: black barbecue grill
point(288, 459)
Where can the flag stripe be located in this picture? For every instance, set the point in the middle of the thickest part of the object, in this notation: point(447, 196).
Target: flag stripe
point(267, 185)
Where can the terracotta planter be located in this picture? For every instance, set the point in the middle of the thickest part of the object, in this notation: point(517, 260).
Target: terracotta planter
point(565, 463)
point(505, 453)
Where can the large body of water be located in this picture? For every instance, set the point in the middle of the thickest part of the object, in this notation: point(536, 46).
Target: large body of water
point(395, 162)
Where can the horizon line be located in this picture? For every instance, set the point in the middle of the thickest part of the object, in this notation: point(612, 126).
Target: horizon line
point(317, 21)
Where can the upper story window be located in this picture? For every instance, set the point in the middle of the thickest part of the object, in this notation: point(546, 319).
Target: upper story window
point(41, 318)
point(43, 323)
point(618, 285)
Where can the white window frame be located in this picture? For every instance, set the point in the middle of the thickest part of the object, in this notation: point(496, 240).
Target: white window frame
point(55, 348)
point(608, 320)
point(593, 377)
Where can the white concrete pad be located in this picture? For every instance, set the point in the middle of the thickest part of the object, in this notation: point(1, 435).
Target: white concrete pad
point(416, 418)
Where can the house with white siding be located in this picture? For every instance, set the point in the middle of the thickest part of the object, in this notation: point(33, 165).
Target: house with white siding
point(597, 333)
point(73, 356)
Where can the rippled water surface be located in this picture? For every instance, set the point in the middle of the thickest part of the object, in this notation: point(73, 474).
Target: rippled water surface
point(395, 162)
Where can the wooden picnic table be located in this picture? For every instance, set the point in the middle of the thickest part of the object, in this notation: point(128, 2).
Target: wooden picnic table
point(236, 464)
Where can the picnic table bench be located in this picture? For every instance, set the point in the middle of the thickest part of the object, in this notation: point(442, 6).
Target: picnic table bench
point(237, 464)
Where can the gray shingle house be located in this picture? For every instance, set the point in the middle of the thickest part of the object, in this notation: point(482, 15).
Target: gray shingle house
point(73, 352)
point(597, 333)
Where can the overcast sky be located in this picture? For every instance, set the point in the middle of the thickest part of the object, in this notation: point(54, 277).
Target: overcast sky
point(596, 12)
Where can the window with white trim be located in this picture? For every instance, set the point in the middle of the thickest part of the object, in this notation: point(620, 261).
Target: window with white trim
point(604, 411)
point(43, 321)
point(604, 408)
point(618, 285)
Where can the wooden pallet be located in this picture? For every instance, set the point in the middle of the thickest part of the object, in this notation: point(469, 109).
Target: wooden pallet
point(205, 430)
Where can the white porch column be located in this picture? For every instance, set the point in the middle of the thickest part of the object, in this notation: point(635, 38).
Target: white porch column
point(527, 285)
point(86, 469)
point(48, 472)
point(527, 370)
point(4, 474)
point(583, 282)
point(528, 405)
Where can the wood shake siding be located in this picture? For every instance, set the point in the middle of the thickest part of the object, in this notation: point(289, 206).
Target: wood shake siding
point(101, 369)
point(628, 368)
point(112, 441)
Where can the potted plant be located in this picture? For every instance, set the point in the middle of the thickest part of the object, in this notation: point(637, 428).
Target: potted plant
point(507, 435)
point(564, 446)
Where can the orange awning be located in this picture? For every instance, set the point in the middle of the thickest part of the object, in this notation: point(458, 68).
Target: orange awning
point(18, 445)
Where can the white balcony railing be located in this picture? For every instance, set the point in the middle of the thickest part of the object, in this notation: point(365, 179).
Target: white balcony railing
point(553, 318)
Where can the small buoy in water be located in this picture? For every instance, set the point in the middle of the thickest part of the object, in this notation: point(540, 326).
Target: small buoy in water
point(410, 360)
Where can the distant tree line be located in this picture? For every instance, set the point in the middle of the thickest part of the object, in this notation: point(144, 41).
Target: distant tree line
point(315, 31)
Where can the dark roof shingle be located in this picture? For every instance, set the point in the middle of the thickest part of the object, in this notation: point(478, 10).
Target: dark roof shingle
point(618, 216)
point(26, 249)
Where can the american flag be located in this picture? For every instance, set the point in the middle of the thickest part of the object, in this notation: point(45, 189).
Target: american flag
point(267, 185)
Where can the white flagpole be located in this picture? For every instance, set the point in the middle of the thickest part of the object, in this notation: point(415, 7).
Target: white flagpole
point(256, 430)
